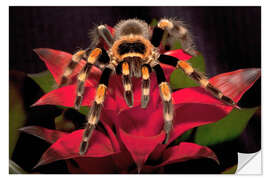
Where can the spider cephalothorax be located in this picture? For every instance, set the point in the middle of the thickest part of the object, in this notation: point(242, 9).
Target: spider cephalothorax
point(133, 51)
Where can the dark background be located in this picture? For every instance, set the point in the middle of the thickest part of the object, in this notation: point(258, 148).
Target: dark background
point(228, 37)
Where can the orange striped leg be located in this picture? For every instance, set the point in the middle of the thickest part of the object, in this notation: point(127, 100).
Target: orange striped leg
point(94, 55)
point(71, 66)
point(145, 86)
point(166, 96)
point(94, 113)
point(178, 30)
point(128, 94)
point(203, 81)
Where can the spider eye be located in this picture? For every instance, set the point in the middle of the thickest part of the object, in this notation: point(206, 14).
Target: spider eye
point(127, 47)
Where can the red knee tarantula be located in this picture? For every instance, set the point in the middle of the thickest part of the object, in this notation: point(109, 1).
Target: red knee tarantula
point(133, 51)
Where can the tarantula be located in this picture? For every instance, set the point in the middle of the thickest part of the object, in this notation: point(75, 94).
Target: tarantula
point(133, 51)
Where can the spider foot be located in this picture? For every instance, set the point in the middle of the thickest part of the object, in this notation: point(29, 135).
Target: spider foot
point(167, 128)
point(88, 131)
point(144, 101)
point(129, 98)
point(83, 147)
point(166, 139)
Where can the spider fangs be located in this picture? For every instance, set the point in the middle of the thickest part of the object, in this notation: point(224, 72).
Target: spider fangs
point(133, 51)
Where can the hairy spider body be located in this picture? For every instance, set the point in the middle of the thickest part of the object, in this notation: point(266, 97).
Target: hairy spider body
point(133, 52)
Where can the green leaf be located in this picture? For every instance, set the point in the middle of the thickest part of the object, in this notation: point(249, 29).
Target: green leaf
point(15, 168)
point(226, 129)
point(184, 136)
point(84, 110)
point(154, 22)
point(179, 79)
point(17, 112)
point(67, 125)
point(230, 170)
point(63, 124)
point(176, 45)
point(45, 80)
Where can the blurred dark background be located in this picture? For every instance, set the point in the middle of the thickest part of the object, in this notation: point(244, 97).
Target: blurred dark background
point(228, 37)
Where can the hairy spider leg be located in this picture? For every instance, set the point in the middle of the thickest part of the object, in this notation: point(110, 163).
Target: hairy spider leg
point(126, 79)
point(94, 113)
point(99, 32)
point(105, 34)
point(146, 70)
point(157, 36)
point(92, 58)
point(176, 29)
point(198, 77)
point(102, 32)
point(166, 96)
point(71, 66)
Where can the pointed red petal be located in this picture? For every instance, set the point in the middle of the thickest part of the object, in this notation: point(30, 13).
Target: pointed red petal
point(140, 147)
point(179, 54)
point(110, 117)
point(68, 146)
point(186, 151)
point(86, 165)
point(65, 96)
point(141, 122)
point(234, 84)
point(57, 61)
point(209, 109)
point(48, 135)
point(152, 170)
point(123, 160)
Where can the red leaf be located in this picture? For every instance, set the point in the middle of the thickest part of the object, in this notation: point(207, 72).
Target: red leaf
point(179, 54)
point(157, 153)
point(195, 107)
point(140, 147)
point(48, 135)
point(110, 119)
point(67, 147)
point(180, 153)
point(87, 165)
point(234, 84)
point(142, 122)
point(57, 61)
point(186, 151)
point(65, 96)
point(123, 160)
point(152, 170)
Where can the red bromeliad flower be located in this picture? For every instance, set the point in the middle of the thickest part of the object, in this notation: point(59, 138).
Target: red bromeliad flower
point(132, 137)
